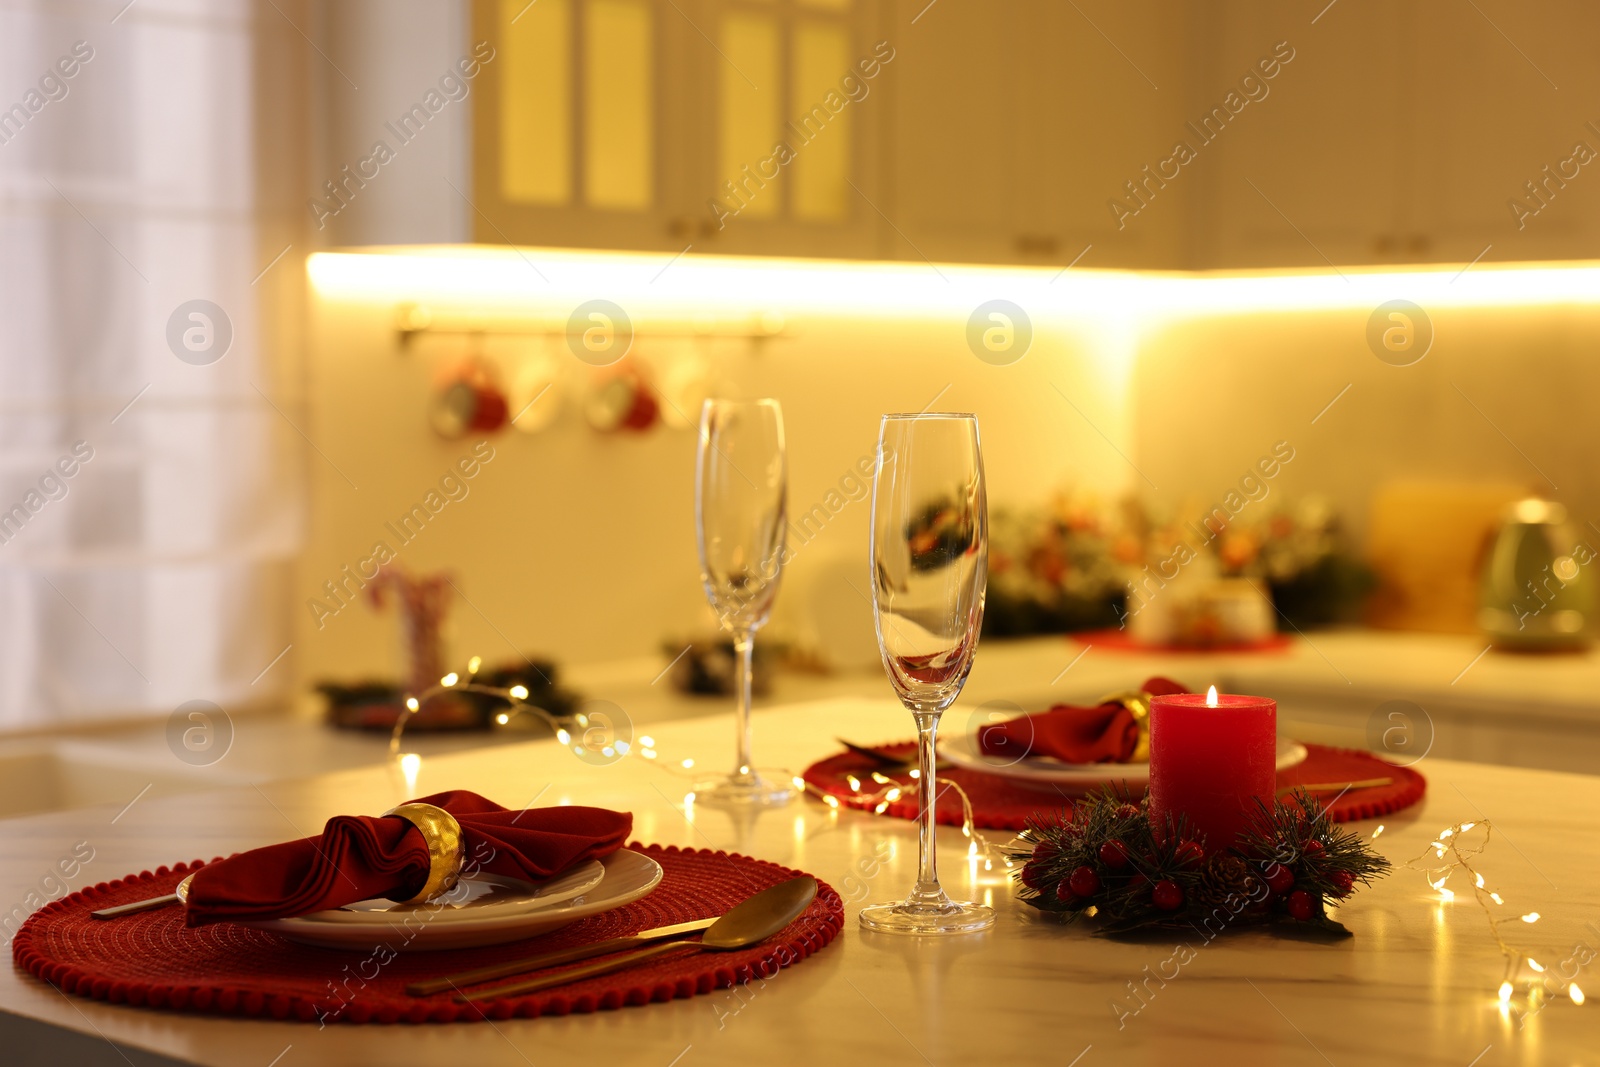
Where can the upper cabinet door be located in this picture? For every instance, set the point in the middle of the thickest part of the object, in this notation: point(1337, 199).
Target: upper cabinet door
point(792, 109)
point(1303, 132)
point(953, 134)
point(1507, 136)
point(1016, 125)
point(573, 140)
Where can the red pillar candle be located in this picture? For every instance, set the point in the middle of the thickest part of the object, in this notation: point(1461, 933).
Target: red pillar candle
point(1211, 758)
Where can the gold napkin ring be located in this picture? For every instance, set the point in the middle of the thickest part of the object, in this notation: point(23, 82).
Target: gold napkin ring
point(1137, 701)
point(446, 847)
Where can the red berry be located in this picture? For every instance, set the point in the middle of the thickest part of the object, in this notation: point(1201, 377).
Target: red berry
point(1301, 904)
point(1064, 893)
point(1190, 854)
point(1313, 848)
point(1114, 855)
point(1167, 896)
point(1343, 882)
point(1127, 811)
point(1084, 882)
point(1279, 878)
point(1032, 874)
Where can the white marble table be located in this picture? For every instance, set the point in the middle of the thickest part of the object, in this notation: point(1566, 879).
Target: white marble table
point(1415, 986)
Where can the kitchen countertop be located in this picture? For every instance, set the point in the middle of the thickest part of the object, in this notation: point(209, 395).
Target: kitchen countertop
point(1333, 687)
point(1416, 985)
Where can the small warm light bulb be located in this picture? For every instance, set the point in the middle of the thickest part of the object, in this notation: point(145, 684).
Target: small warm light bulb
point(1536, 965)
point(647, 741)
point(519, 691)
point(502, 718)
point(688, 763)
point(410, 764)
point(1497, 898)
point(915, 773)
point(1575, 993)
point(1211, 697)
point(1378, 831)
point(799, 783)
point(473, 664)
point(855, 783)
point(411, 704)
point(563, 737)
point(1505, 992)
point(1531, 917)
point(450, 679)
point(1467, 826)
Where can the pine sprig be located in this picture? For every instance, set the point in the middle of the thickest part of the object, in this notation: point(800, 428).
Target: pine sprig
point(1104, 859)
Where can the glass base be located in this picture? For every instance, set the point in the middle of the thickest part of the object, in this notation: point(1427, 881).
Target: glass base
point(907, 917)
point(746, 791)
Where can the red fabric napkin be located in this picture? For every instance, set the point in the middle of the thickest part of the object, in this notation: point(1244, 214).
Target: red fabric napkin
point(359, 857)
point(1106, 733)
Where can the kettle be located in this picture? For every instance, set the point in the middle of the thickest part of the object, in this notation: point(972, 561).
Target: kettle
point(1537, 592)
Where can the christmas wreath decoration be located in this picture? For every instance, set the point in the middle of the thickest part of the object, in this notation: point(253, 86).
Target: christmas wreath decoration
point(1104, 860)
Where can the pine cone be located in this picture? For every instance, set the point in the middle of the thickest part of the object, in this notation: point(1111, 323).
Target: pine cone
point(1225, 879)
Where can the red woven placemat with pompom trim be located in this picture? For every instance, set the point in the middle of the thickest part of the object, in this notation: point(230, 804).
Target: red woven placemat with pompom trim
point(1001, 804)
point(152, 959)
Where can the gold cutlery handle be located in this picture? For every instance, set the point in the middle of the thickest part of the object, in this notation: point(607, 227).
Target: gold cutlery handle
point(135, 907)
point(1336, 787)
point(574, 974)
point(430, 986)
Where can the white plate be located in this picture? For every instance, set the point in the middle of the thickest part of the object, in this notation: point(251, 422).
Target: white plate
point(477, 896)
point(1038, 772)
point(627, 876)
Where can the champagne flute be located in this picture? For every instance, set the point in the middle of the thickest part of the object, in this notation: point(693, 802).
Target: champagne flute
point(741, 514)
point(930, 567)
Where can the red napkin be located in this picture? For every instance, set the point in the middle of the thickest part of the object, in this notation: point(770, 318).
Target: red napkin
point(359, 857)
point(1106, 733)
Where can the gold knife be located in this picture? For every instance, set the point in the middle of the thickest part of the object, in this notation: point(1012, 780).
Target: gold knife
point(550, 959)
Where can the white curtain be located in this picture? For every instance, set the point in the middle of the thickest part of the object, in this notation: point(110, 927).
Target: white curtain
point(156, 573)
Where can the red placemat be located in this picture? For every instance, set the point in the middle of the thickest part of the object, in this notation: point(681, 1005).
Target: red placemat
point(1115, 640)
point(152, 959)
point(1001, 804)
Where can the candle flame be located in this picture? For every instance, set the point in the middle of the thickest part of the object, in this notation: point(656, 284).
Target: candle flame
point(1211, 697)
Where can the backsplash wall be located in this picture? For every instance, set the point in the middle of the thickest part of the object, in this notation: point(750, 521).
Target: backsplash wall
point(580, 545)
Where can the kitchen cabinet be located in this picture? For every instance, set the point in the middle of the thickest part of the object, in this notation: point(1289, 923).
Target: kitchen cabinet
point(581, 127)
point(1143, 134)
point(1015, 126)
point(1399, 133)
point(725, 125)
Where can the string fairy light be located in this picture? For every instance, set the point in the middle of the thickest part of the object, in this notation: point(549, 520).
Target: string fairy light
point(1448, 855)
point(516, 696)
point(889, 791)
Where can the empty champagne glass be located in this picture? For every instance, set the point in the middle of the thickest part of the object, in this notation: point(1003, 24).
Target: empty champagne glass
point(930, 566)
point(741, 513)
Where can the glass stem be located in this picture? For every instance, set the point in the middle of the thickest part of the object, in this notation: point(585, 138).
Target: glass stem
point(743, 646)
point(927, 893)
